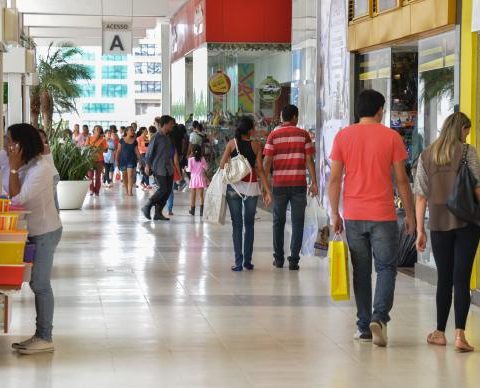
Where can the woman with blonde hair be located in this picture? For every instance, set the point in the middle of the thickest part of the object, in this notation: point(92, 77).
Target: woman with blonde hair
point(454, 241)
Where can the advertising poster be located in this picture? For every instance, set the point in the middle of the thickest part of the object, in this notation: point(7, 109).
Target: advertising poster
point(334, 83)
point(246, 87)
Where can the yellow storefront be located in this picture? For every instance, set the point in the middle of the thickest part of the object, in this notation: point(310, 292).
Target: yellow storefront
point(470, 89)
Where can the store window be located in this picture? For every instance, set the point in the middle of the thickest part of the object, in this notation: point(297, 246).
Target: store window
point(114, 72)
point(360, 8)
point(147, 50)
point(114, 90)
point(98, 108)
point(386, 5)
point(91, 71)
point(87, 56)
point(114, 58)
point(87, 90)
point(148, 68)
point(148, 86)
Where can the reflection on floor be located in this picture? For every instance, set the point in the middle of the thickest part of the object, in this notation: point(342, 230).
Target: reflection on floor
point(144, 304)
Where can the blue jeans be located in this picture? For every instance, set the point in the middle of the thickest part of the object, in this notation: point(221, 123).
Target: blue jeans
point(45, 245)
point(170, 201)
point(243, 214)
point(377, 240)
point(297, 197)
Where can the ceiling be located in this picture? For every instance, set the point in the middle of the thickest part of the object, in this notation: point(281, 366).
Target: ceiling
point(80, 21)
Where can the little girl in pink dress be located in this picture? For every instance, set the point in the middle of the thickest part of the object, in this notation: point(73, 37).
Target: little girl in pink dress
point(197, 166)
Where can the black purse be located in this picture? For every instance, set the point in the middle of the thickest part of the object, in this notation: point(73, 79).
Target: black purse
point(463, 201)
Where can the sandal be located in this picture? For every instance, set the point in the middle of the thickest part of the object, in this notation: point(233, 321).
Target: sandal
point(461, 344)
point(437, 338)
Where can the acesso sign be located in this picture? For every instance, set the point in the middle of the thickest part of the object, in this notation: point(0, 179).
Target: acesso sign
point(117, 38)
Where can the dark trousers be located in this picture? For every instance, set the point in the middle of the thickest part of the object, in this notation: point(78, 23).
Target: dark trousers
point(454, 253)
point(160, 198)
point(297, 198)
point(106, 174)
point(95, 176)
point(145, 177)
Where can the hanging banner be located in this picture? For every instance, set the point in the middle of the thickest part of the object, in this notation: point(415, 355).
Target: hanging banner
point(270, 89)
point(476, 16)
point(219, 83)
point(117, 38)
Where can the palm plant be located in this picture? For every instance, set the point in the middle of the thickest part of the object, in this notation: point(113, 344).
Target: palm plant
point(58, 84)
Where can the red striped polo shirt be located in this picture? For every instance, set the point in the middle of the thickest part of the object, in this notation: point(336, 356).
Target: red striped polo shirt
point(289, 146)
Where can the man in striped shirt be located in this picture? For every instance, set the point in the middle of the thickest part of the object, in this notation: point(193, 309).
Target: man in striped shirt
point(290, 151)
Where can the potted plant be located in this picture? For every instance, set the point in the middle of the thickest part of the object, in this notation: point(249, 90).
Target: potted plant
point(73, 164)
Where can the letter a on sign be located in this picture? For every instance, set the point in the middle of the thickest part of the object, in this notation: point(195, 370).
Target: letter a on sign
point(117, 38)
point(117, 43)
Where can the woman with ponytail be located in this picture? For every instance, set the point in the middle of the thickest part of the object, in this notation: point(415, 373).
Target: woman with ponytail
point(242, 199)
point(197, 166)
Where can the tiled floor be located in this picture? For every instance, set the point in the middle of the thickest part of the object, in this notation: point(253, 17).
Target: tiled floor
point(144, 304)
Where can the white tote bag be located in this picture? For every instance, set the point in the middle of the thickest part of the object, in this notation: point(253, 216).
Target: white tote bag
point(215, 206)
point(237, 168)
point(315, 242)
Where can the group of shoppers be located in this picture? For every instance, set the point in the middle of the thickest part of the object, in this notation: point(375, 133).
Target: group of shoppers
point(363, 158)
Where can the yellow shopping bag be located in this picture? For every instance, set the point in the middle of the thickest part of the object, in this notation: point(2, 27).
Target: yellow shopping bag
point(338, 262)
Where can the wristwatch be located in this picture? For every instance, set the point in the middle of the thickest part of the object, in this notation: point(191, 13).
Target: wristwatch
point(14, 172)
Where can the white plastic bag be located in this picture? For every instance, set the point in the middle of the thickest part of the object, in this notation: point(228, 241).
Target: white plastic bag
point(215, 206)
point(315, 243)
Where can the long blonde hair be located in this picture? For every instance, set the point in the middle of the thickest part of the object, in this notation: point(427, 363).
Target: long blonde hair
point(451, 133)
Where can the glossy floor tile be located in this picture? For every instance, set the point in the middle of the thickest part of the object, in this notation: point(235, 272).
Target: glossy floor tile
point(152, 304)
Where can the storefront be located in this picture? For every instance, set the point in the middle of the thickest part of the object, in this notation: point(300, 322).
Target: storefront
point(415, 65)
point(227, 61)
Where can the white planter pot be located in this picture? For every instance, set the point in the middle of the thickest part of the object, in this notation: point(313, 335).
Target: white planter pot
point(71, 194)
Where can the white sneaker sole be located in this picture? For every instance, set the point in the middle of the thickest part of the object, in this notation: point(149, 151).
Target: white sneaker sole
point(35, 351)
point(377, 334)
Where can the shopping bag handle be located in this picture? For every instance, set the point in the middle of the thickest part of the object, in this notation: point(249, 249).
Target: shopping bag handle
point(337, 237)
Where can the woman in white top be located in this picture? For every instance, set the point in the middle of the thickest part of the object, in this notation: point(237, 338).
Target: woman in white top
point(30, 185)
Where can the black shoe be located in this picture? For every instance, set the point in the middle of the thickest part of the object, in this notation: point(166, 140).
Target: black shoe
point(249, 266)
point(192, 211)
point(201, 211)
point(278, 263)
point(146, 211)
point(237, 269)
point(160, 217)
point(293, 264)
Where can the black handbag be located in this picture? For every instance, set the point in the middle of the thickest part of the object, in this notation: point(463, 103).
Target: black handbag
point(463, 201)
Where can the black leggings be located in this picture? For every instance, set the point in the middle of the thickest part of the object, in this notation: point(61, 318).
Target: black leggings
point(454, 253)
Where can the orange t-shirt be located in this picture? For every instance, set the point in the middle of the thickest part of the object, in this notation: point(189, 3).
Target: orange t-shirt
point(101, 144)
point(142, 145)
point(368, 152)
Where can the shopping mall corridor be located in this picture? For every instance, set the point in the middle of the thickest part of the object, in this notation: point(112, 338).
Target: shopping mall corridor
point(144, 304)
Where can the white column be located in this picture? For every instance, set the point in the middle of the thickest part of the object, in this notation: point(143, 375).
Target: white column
point(26, 104)
point(15, 100)
point(166, 63)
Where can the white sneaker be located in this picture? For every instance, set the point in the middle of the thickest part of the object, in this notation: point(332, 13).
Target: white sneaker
point(23, 344)
point(37, 345)
point(362, 337)
point(379, 333)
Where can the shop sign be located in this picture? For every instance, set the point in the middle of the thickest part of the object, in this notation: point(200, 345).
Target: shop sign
point(476, 16)
point(117, 38)
point(219, 83)
point(270, 89)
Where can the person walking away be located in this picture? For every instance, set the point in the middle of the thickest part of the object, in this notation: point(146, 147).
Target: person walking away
point(109, 159)
point(143, 142)
point(30, 185)
point(176, 136)
point(289, 151)
point(454, 241)
point(98, 142)
point(76, 132)
point(197, 137)
point(160, 161)
point(49, 158)
point(243, 197)
point(365, 154)
point(127, 158)
point(197, 166)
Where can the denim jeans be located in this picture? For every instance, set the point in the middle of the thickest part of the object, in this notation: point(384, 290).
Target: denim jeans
point(377, 240)
point(170, 201)
point(45, 245)
point(242, 212)
point(297, 197)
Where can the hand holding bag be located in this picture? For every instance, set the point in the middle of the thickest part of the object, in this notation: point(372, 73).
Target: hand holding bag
point(237, 168)
point(215, 200)
point(463, 201)
point(338, 263)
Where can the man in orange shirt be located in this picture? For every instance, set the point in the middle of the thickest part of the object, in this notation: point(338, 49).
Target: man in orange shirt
point(365, 154)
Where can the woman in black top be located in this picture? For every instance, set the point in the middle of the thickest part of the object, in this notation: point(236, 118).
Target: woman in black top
point(242, 196)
